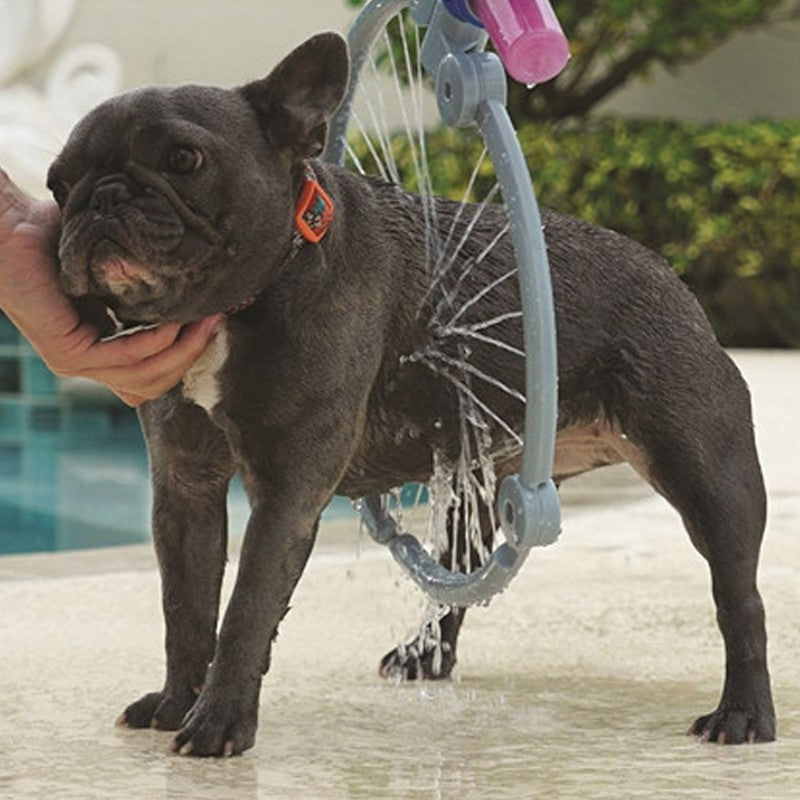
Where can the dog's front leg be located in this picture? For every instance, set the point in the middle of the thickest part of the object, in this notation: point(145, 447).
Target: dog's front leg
point(290, 473)
point(191, 466)
point(276, 546)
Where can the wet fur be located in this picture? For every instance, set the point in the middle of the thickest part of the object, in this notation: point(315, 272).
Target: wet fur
point(315, 383)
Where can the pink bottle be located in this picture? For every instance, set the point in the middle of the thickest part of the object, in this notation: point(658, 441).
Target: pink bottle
point(527, 36)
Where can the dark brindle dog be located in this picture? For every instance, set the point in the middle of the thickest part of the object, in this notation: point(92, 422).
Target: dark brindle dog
point(178, 203)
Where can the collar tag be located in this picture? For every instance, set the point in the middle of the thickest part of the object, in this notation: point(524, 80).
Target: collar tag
point(313, 213)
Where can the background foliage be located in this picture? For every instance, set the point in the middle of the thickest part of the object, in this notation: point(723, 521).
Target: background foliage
point(721, 202)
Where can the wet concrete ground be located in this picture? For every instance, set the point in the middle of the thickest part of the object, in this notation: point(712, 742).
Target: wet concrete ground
point(578, 682)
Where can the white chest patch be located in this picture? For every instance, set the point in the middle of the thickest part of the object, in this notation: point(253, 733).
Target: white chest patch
point(200, 383)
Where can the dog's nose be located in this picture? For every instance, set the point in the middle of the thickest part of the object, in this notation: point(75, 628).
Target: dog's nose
point(108, 194)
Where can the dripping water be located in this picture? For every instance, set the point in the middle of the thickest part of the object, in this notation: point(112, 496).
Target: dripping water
point(462, 489)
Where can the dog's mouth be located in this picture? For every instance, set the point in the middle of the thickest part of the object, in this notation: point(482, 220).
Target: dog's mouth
point(123, 277)
point(137, 289)
point(118, 272)
point(100, 270)
point(99, 255)
point(125, 282)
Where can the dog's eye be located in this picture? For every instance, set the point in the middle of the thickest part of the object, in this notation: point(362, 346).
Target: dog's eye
point(59, 190)
point(183, 160)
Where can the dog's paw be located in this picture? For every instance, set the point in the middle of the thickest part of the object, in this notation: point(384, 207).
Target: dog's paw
point(417, 662)
point(219, 724)
point(161, 710)
point(735, 726)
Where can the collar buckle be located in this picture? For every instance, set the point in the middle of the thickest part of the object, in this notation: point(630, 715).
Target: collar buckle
point(313, 213)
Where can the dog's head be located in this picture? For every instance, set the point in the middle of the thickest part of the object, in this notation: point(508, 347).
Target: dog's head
point(178, 203)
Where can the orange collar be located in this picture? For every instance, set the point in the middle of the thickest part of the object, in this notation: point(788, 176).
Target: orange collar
point(313, 213)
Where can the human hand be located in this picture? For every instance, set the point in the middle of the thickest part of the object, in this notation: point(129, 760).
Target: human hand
point(136, 368)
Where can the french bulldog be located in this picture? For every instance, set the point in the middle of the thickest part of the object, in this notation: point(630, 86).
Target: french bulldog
point(182, 202)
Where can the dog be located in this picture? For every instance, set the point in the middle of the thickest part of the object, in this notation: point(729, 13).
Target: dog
point(182, 202)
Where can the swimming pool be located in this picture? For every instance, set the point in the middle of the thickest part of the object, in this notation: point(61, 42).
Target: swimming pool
point(86, 482)
point(73, 464)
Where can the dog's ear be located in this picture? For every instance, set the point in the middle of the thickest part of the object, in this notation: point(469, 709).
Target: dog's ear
point(295, 101)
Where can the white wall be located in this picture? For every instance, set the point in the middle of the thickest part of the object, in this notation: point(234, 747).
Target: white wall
point(229, 41)
point(755, 74)
point(224, 42)
point(46, 85)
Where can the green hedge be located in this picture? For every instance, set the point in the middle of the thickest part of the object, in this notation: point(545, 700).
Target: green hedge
point(721, 202)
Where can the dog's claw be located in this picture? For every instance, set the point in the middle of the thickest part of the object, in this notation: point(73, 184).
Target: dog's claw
point(157, 710)
point(734, 727)
point(408, 664)
point(220, 724)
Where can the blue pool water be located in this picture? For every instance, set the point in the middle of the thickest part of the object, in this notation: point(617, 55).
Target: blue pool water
point(87, 484)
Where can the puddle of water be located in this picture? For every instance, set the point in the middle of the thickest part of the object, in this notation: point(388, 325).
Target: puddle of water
point(501, 736)
point(515, 736)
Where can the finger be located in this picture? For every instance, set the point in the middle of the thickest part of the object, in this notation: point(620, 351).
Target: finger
point(132, 400)
point(79, 353)
point(12, 198)
point(47, 213)
point(160, 372)
point(171, 364)
point(131, 350)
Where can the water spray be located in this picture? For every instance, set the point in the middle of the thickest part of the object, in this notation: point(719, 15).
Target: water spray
point(471, 90)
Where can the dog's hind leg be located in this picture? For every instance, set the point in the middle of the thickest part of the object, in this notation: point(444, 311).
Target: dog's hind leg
point(191, 467)
point(699, 452)
point(432, 652)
